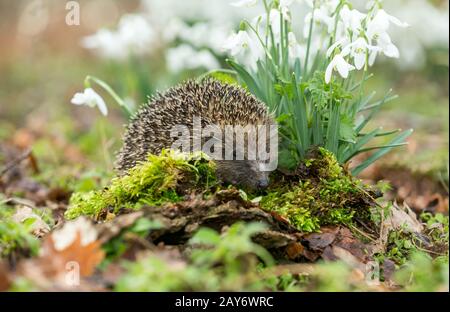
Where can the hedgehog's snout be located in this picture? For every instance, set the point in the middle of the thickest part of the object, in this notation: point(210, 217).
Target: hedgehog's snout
point(263, 183)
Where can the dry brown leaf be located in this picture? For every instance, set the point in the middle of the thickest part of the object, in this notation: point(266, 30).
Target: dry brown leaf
point(294, 249)
point(52, 268)
point(403, 218)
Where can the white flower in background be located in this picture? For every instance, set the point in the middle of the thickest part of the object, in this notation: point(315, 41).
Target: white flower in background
point(173, 29)
point(296, 50)
point(244, 47)
point(286, 3)
point(352, 19)
point(90, 98)
point(322, 18)
point(185, 57)
point(204, 35)
point(105, 43)
point(284, 8)
point(237, 43)
point(422, 36)
point(134, 35)
point(275, 16)
point(340, 64)
point(65, 236)
point(274, 20)
point(244, 3)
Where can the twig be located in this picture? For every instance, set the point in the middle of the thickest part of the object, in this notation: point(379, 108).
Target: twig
point(427, 250)
point(366, 235)
point(18, 201)
point(15, 162)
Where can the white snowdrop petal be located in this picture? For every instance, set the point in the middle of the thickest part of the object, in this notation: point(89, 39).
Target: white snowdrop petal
point(391, 51)
point(78, 99)
point(360, 60)
point(372, 57)
point(328, 72)
point(244, 3)
point(101, 104)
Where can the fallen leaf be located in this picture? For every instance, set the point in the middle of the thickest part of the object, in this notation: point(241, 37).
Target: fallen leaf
point(39, 227)
point(66, 235)
point(62, 269)
point(318, 241)
point(403, 218)
point(294, 250)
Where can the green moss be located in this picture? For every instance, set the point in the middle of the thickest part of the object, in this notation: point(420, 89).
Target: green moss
point(324, 194)
point(160, 179)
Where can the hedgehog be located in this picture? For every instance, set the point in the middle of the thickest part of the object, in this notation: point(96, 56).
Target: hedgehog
point(216, 103)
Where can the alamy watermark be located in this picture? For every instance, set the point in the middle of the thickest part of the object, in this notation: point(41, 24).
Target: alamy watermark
point(73, 14)
point(72, 275)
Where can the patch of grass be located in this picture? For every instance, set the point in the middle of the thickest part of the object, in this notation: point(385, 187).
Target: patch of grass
point(16, 237)
point(422, 273)
point(324, 194)
point(402, 244)
point(160, 179)
point(215, 262)
point(436, 226)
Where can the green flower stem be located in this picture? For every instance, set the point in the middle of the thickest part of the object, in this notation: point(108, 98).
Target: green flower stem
point(112, 93)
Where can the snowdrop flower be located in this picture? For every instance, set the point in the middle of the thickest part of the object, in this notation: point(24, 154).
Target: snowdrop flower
point(286, 3)
point(245, 48)
point(284, 8)
point(133, 35)
point(340, 42)
point(377, 32)
point(351, 19)
point(237, 43)
point(185, 57)
point(244, 3)
point(274, 20)
point(359, 50)
point(295, 49)
point(204, 34)
point(381, 21)
point(105, 43)
point(380, 24)
point(340, 64)
point(321, 18)
point(90, 98)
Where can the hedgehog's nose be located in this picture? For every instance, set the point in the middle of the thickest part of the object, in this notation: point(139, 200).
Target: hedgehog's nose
point(262, 184)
